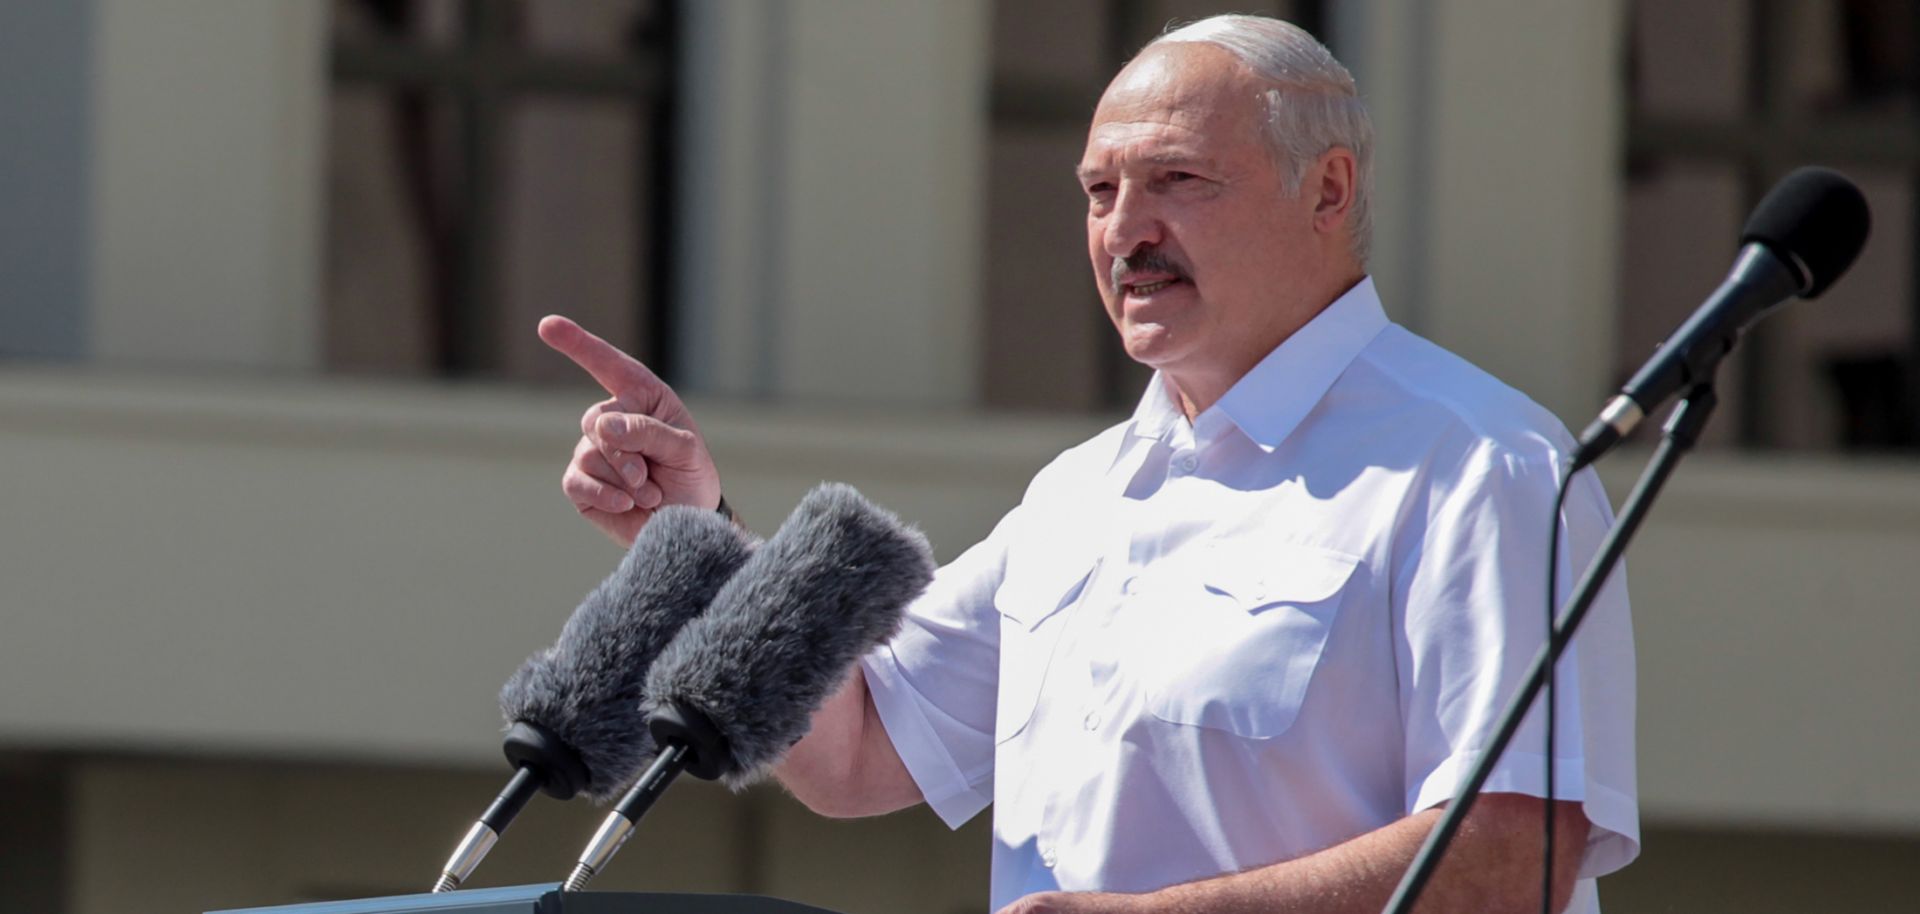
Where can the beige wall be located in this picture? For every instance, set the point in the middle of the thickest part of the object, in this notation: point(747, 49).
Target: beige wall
point(1773, 615)
point(352, 570)
point(304, 574)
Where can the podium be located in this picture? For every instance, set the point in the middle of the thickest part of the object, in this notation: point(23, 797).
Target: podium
point(544, 899)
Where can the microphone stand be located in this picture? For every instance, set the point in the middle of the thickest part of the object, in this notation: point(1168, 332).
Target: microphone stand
point(689, 744)
point(618, 825)
point(1682, 432)
point(542, 762)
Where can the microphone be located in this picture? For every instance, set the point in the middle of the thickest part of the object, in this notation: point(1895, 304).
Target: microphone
point(574, 708)
point(739, 686)
point(1802, 237)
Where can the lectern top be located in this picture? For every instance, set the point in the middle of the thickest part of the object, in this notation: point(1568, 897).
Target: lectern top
point(544, 899)
point(513, 899)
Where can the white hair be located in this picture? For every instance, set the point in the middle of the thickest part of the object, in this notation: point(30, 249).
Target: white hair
point(1313, 107)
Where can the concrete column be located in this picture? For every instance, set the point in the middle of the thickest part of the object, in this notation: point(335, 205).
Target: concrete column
point(1525, 190)
point(206, 171)
point(44, 63)
point(835, 213)
point(1386, 46)
point(1499, 176)
point(733, 141)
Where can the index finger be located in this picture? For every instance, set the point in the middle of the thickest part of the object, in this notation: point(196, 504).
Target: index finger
point(620, 374)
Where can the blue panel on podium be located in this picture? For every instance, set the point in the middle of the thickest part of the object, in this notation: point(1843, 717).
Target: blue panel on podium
point(545, 899)
point(513, 899)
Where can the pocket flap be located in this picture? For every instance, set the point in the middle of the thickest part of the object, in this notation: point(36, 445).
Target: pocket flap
point(1032, 591)
point(1286, 573)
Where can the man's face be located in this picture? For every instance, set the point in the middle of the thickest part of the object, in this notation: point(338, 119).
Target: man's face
point(1197, 244)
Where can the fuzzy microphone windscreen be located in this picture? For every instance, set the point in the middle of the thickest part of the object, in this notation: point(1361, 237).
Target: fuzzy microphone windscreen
point(587, 687)
point(831, 584)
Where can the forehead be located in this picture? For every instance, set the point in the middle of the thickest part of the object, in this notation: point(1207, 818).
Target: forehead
point(1179, 98)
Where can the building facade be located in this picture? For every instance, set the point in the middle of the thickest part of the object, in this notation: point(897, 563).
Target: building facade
point(279, 454)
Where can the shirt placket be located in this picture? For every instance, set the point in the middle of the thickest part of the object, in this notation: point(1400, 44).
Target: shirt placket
point(1093, 644)
point(1065, 765)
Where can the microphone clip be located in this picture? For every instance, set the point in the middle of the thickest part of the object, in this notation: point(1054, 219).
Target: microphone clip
point(677, 722)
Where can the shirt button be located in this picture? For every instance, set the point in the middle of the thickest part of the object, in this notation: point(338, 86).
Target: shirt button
point(1130, 585)
point(1047, 857)
point(1093, 720)
point(1188, 463)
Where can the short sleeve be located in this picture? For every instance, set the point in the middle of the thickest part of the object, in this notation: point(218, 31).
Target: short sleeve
point(1470, 592)
point(935, 684)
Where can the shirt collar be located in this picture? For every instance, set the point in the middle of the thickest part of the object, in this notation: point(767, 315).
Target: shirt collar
point(1270, 400)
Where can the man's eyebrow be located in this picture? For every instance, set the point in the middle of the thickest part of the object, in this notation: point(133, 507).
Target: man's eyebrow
point(1157, 159)
point(1175, 158)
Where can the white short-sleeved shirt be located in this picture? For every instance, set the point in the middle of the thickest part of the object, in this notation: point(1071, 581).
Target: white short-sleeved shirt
point(1199, 648)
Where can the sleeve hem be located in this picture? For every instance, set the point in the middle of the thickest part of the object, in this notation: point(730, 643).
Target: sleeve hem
point(949, 792)
point(1614, 840)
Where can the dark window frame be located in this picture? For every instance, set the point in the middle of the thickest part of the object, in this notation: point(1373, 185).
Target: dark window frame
point(483, 70)
point(1765, 141)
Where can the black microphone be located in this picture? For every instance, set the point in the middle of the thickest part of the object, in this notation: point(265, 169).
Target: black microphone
point(1802, 237)
point(574, 708)
point(739, 686)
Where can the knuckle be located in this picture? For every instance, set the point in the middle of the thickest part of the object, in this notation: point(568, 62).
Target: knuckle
point(671, 439)
point(592, 415)
point(611, 426)
point(589, 462)
point(607, 479)
point(575, 488)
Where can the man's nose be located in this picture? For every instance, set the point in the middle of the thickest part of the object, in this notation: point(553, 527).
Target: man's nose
point(1131, 224)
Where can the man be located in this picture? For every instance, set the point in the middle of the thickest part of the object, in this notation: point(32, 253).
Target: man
point(1236, 653)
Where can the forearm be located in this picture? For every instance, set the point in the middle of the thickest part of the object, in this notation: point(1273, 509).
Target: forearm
point(1493, 866)
point(846, 766)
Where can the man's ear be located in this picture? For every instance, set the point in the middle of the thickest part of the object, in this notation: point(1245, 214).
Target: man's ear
point(1333, 183)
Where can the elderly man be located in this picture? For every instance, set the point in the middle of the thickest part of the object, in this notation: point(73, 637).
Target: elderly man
point(1235, 653)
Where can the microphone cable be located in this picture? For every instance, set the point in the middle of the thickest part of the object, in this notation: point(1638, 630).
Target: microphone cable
point(1553, 667)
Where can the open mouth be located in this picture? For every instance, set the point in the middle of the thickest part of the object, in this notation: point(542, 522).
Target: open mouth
point(1148, 288)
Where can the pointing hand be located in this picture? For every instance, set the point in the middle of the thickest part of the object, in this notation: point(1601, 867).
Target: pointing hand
point(639, 449)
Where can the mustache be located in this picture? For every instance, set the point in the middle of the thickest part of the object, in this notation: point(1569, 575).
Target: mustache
point(1144, 260)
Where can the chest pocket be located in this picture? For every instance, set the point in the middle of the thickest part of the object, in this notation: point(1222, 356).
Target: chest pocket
point(1030, 601)
point(1231, 642)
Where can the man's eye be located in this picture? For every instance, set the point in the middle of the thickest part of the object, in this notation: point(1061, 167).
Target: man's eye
point(1099, 189)
point(1175, 177)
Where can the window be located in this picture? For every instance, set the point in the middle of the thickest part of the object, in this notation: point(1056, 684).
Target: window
point(1725, 98)
point(490, 161)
